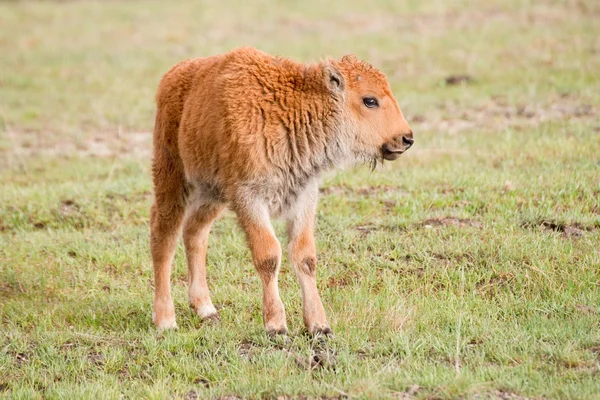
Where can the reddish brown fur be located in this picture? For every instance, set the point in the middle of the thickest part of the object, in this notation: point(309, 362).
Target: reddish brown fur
point(254, 132)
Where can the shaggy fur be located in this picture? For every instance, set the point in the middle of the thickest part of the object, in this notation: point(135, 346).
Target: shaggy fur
point(254, 132)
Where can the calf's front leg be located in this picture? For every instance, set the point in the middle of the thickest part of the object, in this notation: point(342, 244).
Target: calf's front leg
point(266, 255)
point(303, 257)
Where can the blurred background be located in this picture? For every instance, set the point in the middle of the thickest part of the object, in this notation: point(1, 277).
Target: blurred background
point(81, 75)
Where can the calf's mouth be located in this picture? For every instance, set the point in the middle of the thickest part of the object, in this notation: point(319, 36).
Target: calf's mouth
point(391, 151)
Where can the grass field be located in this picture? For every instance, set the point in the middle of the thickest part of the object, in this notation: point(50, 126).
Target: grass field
point(469, 268)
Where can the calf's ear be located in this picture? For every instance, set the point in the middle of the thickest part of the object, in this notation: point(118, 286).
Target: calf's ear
point(334, 80)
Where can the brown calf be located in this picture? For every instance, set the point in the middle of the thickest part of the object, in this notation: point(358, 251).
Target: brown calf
point(254, 132)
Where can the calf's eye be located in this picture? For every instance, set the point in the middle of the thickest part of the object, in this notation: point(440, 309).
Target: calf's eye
point(370, 102)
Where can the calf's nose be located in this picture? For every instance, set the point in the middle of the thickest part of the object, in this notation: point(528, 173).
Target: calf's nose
point(408, 141)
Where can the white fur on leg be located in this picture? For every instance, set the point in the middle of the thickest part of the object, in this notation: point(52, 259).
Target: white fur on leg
point(206, 311)
point(165, 323)
point(163, 314)
point(201, 303)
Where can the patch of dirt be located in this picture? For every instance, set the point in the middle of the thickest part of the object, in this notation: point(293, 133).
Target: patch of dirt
point(575, 364)
point(130, 197)
point(454, 257)
point(247, 349)
point(449, 189)
point(202, 381)
point(410, 393)
point(500, 395)
point(301, 397)
point(388, 204)
point(39, 225)
point(595, 351)
point(191, 395)
point(366, 229)
point(363, 190)
point(584, 308)
point(320, 357)
point(568, 230)
point(337, 282)
point(21, 358)
point(453, 80)
point(67, 212)
point(96, 358)
point(68, 208)
point(136, 144)
point(499, 114)
point(418, 271)
point(450, 221)
point(8, 290)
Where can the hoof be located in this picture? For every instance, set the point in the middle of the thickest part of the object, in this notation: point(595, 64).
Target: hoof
point(211, 318)
point(277, 332)
point(207, 313)
point(163, 316)
point(324, 331)
point(165, 323)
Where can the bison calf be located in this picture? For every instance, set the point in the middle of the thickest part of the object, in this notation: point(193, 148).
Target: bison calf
point(254, 132)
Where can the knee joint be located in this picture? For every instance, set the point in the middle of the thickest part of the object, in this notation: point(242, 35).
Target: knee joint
point(268, 266)
point(308, 265)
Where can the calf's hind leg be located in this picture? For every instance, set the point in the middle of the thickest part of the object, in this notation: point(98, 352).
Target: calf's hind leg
point(166, 216)
point(164, 230)
point(196, 227)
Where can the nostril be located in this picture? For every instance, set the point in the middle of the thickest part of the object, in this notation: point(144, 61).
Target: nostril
point(407, 141)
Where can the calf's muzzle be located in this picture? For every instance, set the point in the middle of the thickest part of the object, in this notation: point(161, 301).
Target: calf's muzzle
point(399, 145)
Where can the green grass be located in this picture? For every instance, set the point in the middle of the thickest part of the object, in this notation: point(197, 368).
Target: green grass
point(469, 268)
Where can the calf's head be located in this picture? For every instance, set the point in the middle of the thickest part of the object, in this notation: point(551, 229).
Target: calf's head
point(369, 110)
